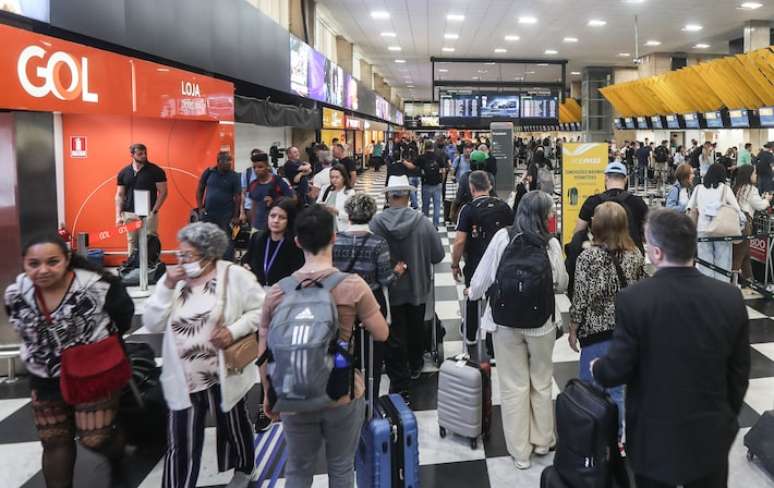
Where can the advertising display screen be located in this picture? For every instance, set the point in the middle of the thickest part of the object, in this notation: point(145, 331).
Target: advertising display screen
point(382, 108)
point(300, 55)
point(739, 118)
point(352, 101)
point(656, 121)
point(459, 105)
point(672, 122)
point(398, 117)
point(334, 84)
point(316, 81)
point(34, 9)
point(499, 105)
point(629, 122)
point(767, 116)
point(691, 121)
point(333, 119)
point(542, 107)
point(713, 120)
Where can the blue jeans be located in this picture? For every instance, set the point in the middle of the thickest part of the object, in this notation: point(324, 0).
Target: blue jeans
point(588, 354)
point(432, 192)
point(414, 181)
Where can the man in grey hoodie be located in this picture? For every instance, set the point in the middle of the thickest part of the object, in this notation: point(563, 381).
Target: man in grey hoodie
point(413, 240)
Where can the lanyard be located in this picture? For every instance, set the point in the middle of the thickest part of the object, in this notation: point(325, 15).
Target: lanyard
point(268, 263)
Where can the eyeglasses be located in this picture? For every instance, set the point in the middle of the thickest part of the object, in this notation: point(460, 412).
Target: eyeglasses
point(186, 256)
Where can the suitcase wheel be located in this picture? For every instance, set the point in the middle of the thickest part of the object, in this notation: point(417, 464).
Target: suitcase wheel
point(473, 443)
point(750, 455)
point(442, 432)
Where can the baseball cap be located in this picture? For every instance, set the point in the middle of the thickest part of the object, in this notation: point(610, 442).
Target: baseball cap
point(616, 168)
point(478, 156)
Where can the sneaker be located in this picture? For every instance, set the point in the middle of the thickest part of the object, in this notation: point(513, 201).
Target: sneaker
point(240, 480)
point(262, 422)
point(542, 451)
point(522, 465)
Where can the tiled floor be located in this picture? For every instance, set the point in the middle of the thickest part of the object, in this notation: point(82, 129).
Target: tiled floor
point(444, 462)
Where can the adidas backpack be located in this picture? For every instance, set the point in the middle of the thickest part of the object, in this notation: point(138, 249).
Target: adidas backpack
point(522, 295)
point(302, 341)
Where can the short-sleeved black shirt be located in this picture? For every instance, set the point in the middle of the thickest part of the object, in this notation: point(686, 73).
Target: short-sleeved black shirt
point(145, 179)
point(637, 207)
point(348, 163)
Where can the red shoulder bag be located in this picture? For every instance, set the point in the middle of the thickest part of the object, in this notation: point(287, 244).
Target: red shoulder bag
point(89, 372)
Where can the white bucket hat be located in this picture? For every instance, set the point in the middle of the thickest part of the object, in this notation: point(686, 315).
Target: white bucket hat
point(398, 183)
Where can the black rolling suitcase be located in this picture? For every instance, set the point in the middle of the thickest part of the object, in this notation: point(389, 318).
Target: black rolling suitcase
point(759, 441)
point(550, 478)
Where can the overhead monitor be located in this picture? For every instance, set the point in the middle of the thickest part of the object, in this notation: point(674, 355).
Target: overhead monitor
point(538, 106)
point(351, 101)
point(459, 105)
point(629, 123)
point(691, 121)
point(382, 108)
point(672, 122)
point(739, 118)
point(643, 123)
point(334, 84)
point(618, 124)
point(657, 122)
point(767, 116)
point(300, 55)
point(713, 120)
point(499, 105)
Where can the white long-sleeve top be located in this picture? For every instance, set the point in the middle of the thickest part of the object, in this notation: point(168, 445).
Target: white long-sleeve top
point(338, 198)
point(485, 274)
point(751, 201)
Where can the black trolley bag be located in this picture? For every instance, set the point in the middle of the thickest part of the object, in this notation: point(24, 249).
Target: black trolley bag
point(759, 441)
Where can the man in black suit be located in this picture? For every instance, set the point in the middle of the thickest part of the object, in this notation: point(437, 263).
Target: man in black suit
point(681, 347)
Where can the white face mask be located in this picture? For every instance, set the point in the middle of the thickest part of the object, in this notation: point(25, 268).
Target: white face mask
point(193, 270)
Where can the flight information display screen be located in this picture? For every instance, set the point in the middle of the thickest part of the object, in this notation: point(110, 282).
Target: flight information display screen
point(541, 107)
point(459, 106)
point(713, 119)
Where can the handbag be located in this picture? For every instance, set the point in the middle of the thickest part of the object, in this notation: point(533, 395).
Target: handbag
point(243, 351)
point(89, 372)
point(726, 220)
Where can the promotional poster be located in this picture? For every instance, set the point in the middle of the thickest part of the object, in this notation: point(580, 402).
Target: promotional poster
point(582, 176)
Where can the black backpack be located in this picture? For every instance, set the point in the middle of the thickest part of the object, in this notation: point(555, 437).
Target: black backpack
point(661, 154)
point(431, 169)
point(522, 295)
point(489, 215)
point(693, 158)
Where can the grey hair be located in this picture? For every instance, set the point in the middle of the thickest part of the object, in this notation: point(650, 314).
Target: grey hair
point(361, 208)
point(208, 239)
point(479, 181)
point(533, 212)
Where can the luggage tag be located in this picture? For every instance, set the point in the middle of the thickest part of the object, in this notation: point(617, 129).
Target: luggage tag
point(461, 360)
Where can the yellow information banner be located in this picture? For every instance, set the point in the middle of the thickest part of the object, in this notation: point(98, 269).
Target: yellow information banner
point(583, 175)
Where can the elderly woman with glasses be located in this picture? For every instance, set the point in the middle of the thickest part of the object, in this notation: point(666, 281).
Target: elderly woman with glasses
point(203, 305)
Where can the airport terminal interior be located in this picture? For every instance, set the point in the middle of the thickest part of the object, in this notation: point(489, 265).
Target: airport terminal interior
point(138, 136)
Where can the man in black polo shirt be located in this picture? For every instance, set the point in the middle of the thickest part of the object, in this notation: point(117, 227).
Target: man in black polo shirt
point(219, 197)
point(141, 174)
point(636, 208)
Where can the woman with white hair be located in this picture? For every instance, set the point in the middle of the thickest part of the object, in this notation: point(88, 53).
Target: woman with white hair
point(204, 305)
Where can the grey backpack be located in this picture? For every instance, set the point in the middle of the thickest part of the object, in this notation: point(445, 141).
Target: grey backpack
point(302, 335)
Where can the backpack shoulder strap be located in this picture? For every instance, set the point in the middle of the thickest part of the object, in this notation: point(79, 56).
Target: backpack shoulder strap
point(332, 281)
point(288, 284)
point(622, 281)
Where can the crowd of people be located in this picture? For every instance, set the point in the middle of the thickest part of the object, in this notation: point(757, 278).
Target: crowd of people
point(325, 268)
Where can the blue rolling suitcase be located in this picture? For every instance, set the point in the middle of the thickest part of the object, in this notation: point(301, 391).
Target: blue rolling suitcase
point(388, 451)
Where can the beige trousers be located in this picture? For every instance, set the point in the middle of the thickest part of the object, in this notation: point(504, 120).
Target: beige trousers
point(152, 223)
point(525, 370)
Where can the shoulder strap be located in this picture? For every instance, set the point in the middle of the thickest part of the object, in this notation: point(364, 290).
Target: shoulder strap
point(356, 254)
point(326, 192)
point(224, 294)
point(622, 281)
point(332, 281)
point(288, 284)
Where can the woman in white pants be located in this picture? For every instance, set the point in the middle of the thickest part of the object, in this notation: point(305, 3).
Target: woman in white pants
point(524, 356)
point(706, 199)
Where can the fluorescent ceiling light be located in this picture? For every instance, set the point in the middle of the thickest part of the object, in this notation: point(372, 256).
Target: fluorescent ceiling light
point(380, 15)
point(570, 39)
point(400, 61)
point(530, 72)
point(624, 55)
point(653, 43)
point(597, 23)
point(692, 28)
point(394, 48)
point(448, 49)
point(443, 70)
point(482, 71)
point(500, 50)
point(451, 36)
point(455, 17)
point(552, 51)
point(388, 34)
point(701, 45)
point(490, 64)
point(409, 86)
point(575, 73)
point(751, 5)
point(512, 38)
point(475, 77)
point(527, 20)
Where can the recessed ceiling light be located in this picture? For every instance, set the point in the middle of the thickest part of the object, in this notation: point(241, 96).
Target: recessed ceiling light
point(475, 77)
point(490, 63)
point(653, 43)
point(542, 65)
point(482, 71)
point(443, 70)
point(500, 50)
point(409, 86)
point(400, 61)
point(388, 34)
point(451, 36)
point(527, 20)
point(552, 51)
point(530, 72)
point(634, 1)
point(575, 73)
point(448, 49)
point(455, 17)
point(570, 39)
point(692, 28)
point(597, 23)
point(624, 55)
point(512, 38)
point(380, 15)
point(751, 5)
point(701, 45)
point(394, 48)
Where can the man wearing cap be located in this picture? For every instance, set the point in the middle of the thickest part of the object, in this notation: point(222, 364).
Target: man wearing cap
point(764, 168)
point(636, 208)
point(413, 240)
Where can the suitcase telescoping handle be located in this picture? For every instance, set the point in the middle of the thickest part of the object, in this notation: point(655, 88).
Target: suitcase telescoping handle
point(479, 347)
point(370, 369)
